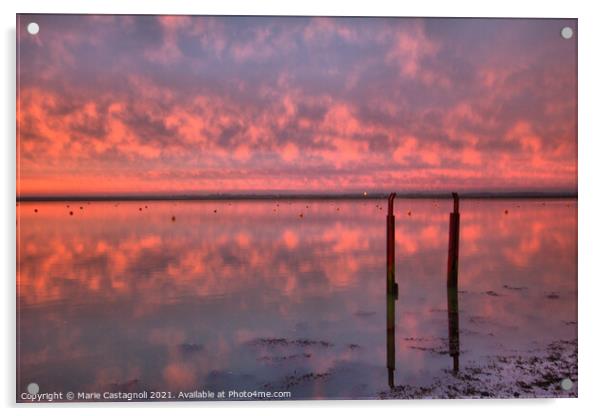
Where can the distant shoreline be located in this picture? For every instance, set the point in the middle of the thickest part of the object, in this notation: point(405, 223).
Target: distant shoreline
point(260, 197)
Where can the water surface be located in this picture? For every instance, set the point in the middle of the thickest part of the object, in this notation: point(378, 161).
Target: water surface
point(282, 295)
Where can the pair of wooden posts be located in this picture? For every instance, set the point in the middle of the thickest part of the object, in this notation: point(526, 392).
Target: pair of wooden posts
point(452, 286)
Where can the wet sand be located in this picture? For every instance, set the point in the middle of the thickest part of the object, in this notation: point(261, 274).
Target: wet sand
point(538, 373)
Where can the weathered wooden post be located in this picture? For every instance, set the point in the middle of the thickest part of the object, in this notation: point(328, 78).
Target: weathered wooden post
point(454, 243)
point(392, 291)
point(391, 285)
point(452, 283)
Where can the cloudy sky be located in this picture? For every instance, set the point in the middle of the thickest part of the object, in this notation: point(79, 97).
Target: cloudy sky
point(176, 104)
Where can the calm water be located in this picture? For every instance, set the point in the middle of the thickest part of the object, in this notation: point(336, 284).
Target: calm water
point(250, 295)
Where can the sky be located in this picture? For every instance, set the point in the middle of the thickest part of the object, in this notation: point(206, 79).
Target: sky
point(202, 104)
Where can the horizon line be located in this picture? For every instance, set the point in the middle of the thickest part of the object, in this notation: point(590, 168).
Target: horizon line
point(275, 195)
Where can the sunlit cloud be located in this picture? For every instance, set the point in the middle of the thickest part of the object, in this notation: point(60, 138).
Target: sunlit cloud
point(122, 104)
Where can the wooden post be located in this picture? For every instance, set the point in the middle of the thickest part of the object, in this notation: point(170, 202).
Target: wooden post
point(452, 284)
point(454, 243)
point(391, 285)
point(392, 291)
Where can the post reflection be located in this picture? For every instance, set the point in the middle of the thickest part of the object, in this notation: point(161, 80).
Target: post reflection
point(391, 339)
point(454, 326)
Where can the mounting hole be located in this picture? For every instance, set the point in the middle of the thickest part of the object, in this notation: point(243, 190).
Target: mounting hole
point(33, 388)
point(566, 384)
point(566, 32)
point(33, 28)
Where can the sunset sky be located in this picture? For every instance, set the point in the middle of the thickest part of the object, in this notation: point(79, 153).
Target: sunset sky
point(176, 104)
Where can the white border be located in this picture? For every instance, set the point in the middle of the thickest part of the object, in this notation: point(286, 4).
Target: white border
point(590, 174)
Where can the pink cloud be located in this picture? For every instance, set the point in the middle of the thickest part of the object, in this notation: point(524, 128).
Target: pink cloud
point(314, 104)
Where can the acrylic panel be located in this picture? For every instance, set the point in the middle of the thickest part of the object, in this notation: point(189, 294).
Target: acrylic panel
point(260, 208)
